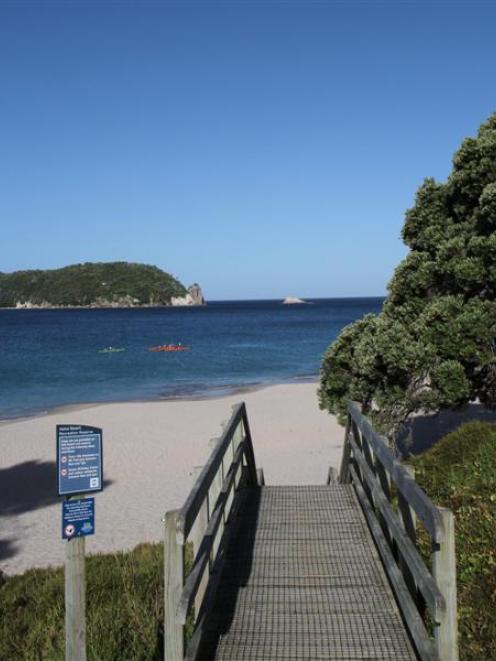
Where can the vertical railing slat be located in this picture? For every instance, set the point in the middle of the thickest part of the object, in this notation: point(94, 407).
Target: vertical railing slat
point(444, 571)
point(344, 472)
point(173, 586)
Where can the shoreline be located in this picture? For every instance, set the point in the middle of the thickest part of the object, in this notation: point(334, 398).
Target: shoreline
point(220, 392)
point(152, 453)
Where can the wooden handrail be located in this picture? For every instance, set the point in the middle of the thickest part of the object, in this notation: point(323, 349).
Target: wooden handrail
point(370, 466)
point(415, 624)
point(202, 557)
point(189, 511)
point(423, 578)
point(417, 499)
point(217, 503)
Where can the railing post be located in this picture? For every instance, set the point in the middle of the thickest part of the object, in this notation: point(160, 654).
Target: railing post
point(408, 520)
point(173, 586)
point(444, 571)
point(344, 471)
point(260, 477)
point(250, 455)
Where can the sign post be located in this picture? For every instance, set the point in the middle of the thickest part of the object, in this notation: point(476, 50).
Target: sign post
point(75, 601)
point(79, 471)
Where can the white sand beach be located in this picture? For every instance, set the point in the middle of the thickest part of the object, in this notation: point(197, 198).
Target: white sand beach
point(151, 451)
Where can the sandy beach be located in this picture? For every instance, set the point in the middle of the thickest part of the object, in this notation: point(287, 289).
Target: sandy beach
point(152, 451)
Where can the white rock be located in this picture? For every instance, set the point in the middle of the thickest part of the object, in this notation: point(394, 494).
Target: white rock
point(293, 300)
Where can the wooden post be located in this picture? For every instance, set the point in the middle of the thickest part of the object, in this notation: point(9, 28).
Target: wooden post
point(196, 537)
point(332, 475)
point(444, 571)
point(75, 601)
point(408, 519)
point(344, 472)
point(173, 585)
point(408, 516)
point(260, 477)
point(236, 440)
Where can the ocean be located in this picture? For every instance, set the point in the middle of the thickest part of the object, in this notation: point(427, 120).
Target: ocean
point(51, 358)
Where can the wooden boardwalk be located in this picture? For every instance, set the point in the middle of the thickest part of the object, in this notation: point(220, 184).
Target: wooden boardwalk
point(302, 580)
point(307, 573)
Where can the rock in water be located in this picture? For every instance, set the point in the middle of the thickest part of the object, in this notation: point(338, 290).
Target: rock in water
point(195, 291)
point(193, 297)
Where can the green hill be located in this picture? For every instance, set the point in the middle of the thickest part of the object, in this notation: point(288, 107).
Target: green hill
point(91, 284)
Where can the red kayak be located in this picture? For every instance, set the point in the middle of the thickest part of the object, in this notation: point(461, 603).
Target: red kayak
point(170, 347)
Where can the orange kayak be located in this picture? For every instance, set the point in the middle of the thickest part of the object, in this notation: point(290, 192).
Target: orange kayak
point(169, 347)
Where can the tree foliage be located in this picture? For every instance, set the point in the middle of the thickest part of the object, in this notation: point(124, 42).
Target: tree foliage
point(90, 284)
point(433, 345)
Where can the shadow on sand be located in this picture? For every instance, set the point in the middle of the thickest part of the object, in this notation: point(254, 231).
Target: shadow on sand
point(421, 432)
point(25, 487)
point(7, 549)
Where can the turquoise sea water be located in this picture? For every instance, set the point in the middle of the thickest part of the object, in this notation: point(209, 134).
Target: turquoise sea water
point(50, 358)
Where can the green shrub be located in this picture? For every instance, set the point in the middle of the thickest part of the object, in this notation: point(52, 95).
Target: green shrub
point(459, 472)
point(433, 344)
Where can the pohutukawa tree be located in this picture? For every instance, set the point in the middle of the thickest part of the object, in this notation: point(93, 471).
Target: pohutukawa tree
point(433, 346)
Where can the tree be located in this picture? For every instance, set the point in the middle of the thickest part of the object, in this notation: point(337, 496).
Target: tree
point(433, 346)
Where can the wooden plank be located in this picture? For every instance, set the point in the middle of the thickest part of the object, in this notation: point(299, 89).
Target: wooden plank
point(444, 568)
point(417, 499)
point(413, 620)
point(173, 584)
point(425, 582)
point(198, 493)
point(75, 600)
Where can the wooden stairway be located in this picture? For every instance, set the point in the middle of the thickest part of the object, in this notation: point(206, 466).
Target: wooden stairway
point(307, 573)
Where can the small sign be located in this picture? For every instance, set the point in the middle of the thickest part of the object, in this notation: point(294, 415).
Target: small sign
point(79, 459)
point(78, 517)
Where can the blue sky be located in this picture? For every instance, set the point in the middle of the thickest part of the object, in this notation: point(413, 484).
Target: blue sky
point(260, 148)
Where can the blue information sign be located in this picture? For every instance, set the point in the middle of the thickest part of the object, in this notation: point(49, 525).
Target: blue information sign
point(78, 517)
point(79, 459)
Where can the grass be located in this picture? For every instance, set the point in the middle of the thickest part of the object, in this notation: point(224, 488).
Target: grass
point(124, 609)
point(459, 472)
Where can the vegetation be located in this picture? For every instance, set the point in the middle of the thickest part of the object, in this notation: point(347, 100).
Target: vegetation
point(96, 284)
point(459, 472)
point(124, 609)
point(433, 345)
point(124, 612)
